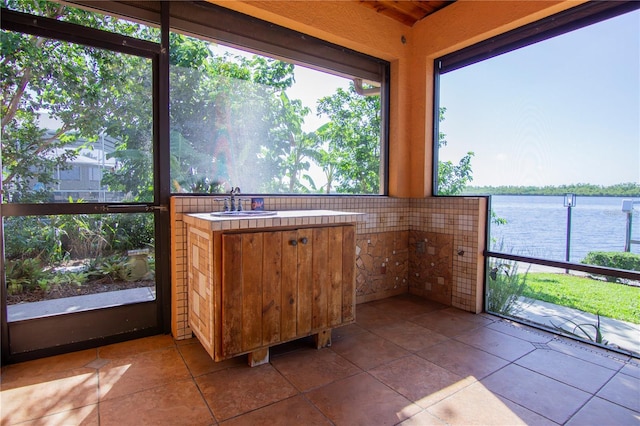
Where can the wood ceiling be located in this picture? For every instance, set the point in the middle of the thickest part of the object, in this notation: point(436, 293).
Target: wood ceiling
point(406, 11)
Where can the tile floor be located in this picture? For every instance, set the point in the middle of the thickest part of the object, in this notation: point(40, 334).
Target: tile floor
point(406, 361)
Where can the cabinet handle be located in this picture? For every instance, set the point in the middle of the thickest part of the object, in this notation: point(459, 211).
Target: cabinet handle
point(293, 242)
point(304, 240)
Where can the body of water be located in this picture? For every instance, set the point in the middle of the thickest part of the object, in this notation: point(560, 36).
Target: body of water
point(537, 226)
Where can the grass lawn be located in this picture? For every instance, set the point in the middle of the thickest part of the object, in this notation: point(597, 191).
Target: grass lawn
point(611, 300)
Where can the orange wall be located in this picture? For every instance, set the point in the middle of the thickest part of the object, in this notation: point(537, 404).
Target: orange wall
point(359, 28)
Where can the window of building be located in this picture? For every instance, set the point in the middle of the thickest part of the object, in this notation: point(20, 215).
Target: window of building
point(544, 119)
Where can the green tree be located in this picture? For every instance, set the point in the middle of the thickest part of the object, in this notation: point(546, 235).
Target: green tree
point(232, 124)
point(452, 178)
point(352, 136)
point(85, 90)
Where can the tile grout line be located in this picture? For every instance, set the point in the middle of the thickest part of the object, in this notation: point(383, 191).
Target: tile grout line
point(195, 383)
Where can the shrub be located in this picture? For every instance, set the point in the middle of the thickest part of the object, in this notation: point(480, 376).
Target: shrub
point(24, 274)
point(129, 232)
point(617, 260)
point(32, 237)
point(504, 286)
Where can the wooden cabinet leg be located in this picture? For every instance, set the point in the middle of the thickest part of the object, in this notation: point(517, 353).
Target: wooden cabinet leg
point(323, 339)
point(259, 357)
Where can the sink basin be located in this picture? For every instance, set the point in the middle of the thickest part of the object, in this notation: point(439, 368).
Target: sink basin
point(245, 213)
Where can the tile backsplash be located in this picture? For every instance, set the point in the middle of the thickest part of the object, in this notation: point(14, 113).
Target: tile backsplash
point(431, 247)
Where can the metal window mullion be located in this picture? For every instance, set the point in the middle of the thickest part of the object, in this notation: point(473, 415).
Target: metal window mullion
point(74, 33)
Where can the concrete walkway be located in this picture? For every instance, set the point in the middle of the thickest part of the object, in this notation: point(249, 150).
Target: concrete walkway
point(67, 305)
point(623, 334)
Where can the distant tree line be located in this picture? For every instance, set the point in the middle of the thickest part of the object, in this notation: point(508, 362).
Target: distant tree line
point(629, 189)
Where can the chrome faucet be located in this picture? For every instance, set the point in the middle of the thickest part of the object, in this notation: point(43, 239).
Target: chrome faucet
point(232, 199)
point(231, 203)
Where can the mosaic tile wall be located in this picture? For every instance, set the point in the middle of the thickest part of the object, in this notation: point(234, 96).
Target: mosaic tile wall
point(386, 261)
point(431, 265)
point(462, 220)
point(382, 265)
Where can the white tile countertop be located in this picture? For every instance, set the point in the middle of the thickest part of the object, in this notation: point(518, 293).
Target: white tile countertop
point(279, 219)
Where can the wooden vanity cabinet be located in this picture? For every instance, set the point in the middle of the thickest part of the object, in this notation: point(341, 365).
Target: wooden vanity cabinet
point(272, 286)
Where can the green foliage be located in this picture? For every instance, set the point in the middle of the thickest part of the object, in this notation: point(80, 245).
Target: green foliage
point(630, 189)
point(87, 90)
point(24, 274)
point(504, 286)
point(229, 115)
point(352, 136)
point(128, 232)
point(231, 123)
point(83, 235)
point(33, 237)
point(617, 260)
point(76, 278)
point(608, 299)
point(452, 178)
point(583, 331)
point(113, 267)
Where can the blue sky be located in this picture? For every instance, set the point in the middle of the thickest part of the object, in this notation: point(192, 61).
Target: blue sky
point(563, 111)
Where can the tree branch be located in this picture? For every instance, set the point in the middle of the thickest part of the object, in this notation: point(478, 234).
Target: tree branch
point(17, 97)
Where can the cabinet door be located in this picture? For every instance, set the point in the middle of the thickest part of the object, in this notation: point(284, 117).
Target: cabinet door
point(259, 290)
point(332, 260)
point(281, 285)
point(232, 295)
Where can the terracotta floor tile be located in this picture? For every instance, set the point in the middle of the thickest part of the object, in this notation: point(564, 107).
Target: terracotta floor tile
point(367, 350)
point(48, 365)
point(32, 397)
point(462, 359)
point(311, 368)
point(478, 319)
point(449, 322)
point(145, 371)
point(409, 336)
point(476, 405)
point(567, 369)
point(83, 416)
point(178, 403)
point(598, 412)
point(538, 393)
point(434, 358)
point(199, 362)
point(136, 347)
point(497, 343)
point(362, 400)
point(623, 390)
point(238, 390)
point(369, 316)
point(293, 411)
point(520, 331)
point(420, 380)
point(423, 418)
point(406, 306)
point(345, 332)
